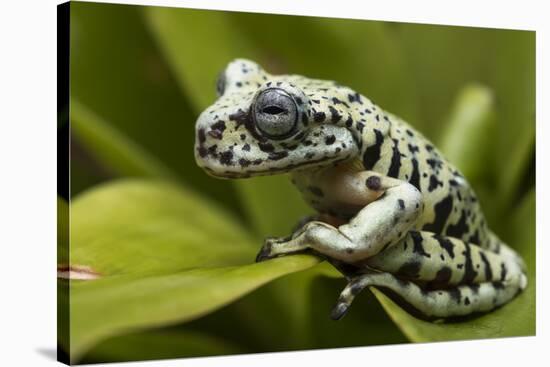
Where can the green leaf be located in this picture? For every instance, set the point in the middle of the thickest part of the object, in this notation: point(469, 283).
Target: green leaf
point(105, 307)
point(267, 321)
point(516, 318)
point(111, 148)
point(162, 256)
point(159, 344)
point(470, 126)
point(141, 226)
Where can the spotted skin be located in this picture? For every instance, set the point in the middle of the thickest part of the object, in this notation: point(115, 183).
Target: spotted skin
point(389, 205)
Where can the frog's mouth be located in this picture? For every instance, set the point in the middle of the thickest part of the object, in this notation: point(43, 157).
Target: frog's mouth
point(272, 170)
point(235, 159)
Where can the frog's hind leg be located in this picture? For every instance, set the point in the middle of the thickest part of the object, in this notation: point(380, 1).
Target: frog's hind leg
point(440, 262)
point(439, 276)
point(434, 304)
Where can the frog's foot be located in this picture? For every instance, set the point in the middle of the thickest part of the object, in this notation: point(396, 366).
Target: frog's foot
point(340, 310)
point(267, 251)
point(354, 287)
point(264, 253)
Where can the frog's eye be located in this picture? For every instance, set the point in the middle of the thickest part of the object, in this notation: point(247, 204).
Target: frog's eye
point(275, 113)
point(220, 83)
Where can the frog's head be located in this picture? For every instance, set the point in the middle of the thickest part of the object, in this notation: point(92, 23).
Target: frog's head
point(263, 124)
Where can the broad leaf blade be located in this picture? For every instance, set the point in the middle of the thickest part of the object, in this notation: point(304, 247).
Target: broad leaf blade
point(140, 226)
point(115, 305)
point(162, 255)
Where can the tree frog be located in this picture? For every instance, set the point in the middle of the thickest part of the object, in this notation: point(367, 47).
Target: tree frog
point(392, 212)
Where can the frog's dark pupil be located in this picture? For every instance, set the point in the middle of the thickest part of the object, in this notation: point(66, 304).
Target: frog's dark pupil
point(275, 113)
point(273, 110)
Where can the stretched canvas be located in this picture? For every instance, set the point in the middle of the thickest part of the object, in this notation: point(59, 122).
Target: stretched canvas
point(378, 183)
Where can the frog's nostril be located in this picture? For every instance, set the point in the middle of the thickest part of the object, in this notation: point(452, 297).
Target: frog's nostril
point(273, 110)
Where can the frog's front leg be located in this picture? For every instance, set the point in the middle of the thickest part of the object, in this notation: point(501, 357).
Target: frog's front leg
point(378, 225)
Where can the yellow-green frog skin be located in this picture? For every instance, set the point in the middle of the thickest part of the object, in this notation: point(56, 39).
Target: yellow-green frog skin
point(392, 212)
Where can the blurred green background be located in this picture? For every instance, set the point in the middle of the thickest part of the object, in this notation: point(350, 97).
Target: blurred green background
point(140, 76)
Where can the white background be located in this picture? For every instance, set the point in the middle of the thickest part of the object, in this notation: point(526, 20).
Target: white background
point(28, 182)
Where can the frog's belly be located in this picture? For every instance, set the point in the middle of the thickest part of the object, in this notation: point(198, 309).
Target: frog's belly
point(341, 211)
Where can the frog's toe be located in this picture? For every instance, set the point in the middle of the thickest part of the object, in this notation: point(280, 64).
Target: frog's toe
point(265, 252)
point(339, 310)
